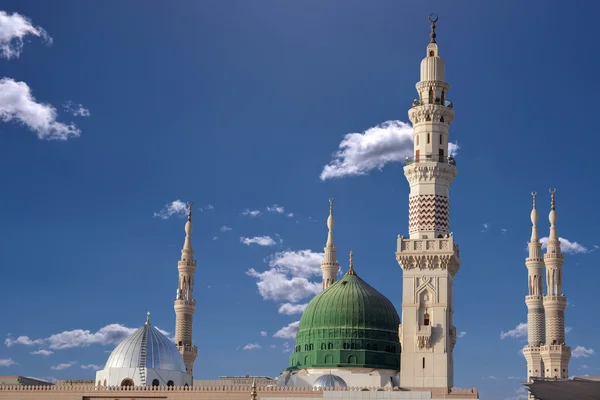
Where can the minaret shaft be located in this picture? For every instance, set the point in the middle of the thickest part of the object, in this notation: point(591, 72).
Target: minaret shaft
point(555, 353)
point(330, 266)
point(534, 301)
point(185, 305)
point(429, 258)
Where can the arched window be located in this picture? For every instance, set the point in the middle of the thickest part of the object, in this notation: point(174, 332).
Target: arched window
point(431, 53)
point(328, 359)
point(186, 386)
point(155, 382)
point(127, 382)
point(311, 347)
point(426, 319)
point(346, 346)
point(330, 346)
point(352, 346)
point(307, 360)
point(99, 383)
point(428, 138)
point(305, 347)
point(170, 384)
point(352, 359)
point(323, 346)
point(368, 346)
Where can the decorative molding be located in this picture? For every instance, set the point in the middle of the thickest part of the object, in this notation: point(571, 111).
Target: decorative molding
point(429, 171)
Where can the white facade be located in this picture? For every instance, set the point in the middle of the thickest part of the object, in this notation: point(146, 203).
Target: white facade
point(430, 257)
point(359, 377)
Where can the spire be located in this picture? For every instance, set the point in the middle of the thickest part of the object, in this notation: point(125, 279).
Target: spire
point(433, 19)
point(351, 269)
point(330, 225)
point(187, 253)
point(552, 217)
point(148, 318)
point(534, 219)
point(253, 392)
point(330, 266)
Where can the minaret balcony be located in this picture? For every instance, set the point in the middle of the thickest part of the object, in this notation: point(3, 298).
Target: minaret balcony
point(424, 337)
point(438, 102)
point(430, 158)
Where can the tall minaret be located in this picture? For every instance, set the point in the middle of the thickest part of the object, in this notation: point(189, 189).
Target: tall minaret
point(535, 307)
point(555, 354)
point(430, 258)
point(330, 266)
point(185, 305)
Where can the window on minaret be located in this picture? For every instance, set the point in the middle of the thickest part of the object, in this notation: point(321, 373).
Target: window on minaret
point(441, 151)
point(417, 139)
point(423, 362)
point(431, 53)
point(428, 138)
point(426, 319)
point(441, 140)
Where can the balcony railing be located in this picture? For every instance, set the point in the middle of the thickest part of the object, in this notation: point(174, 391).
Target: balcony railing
point(431, 158)
point(445, 103)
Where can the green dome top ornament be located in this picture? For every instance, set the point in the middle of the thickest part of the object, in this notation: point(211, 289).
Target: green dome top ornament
point(349, 324)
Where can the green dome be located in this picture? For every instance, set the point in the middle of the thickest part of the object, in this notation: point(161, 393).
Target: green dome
point(349, 324)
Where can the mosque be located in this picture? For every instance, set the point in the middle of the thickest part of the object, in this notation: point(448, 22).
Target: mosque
point(350, 337)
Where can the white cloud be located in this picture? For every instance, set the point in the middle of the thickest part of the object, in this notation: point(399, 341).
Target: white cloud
point(215, 237)
point(276, 209)
point(17, 103)
point(78, 110)
point(568, 329)
point(13, 28)
point(290, 215)
point(24, 340)
point(288, 276)
point(503, 230)
point(585, 366)
point(492, 377)
point(6, 362)
point(252, 346)
point(263, 333)
point(111, 334)
point(252, 213)
point(462, 334)
point(225, 228)
point(42, 352)
point(486, 227)
point(273, 346)
point(61, 366)
point(360, 153)
point(580, 351)
point(290, 309)
point(92, 366)
point(286, 347)
point(513, 377)
point(176, 207)
point(289, 331)
point(279, 238)
point(259, 240)
point(519, 331)
point(566, 246)
point(209, 207)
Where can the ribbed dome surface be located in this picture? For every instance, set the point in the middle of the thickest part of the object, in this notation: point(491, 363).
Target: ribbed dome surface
point(329, 381)
point(350, 303)
point(160, 352)
point(349, 324)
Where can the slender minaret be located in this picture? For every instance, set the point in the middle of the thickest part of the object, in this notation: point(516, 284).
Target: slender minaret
point(330, 266)
point(185, 305)
point(555, 354)
point(253, 393)
point(430, 258)
point(534, 301)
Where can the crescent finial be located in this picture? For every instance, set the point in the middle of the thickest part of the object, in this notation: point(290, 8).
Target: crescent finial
point(433, 18)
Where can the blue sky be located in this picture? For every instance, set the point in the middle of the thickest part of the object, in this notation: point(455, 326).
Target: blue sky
point(240, 105)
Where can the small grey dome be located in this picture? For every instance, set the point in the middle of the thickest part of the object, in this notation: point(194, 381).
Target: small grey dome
point(147, 342)
point(329, 381)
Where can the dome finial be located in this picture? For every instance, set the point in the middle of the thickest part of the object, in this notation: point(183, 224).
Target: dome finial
point(189, 210)
point(148, 318)
point(351, 269)
point(433, 19)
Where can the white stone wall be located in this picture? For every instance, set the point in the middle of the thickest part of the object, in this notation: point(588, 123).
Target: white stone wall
point(114, 376)
point(362, 377)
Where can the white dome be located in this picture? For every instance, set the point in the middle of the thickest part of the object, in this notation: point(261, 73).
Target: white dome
point(329, 381)
point(147, 342)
